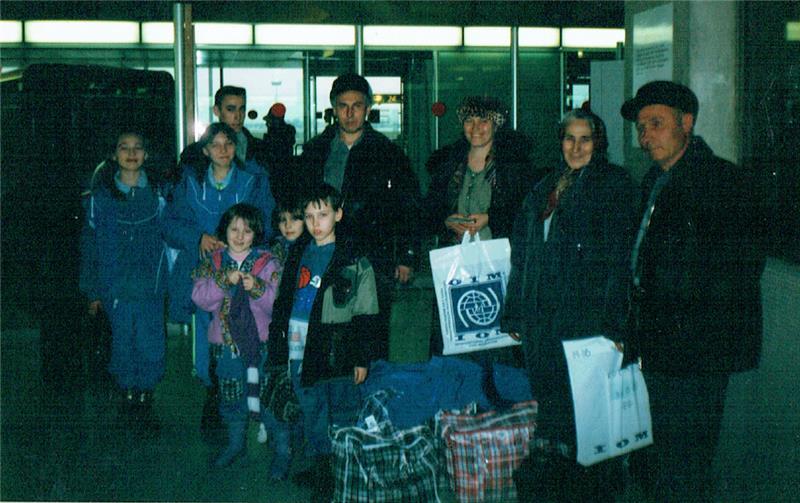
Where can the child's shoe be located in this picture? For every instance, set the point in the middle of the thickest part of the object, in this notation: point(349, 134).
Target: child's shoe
point(236, 445)
point(126, 406)
point(146, 416)
point(282, 457)
point(279, 467)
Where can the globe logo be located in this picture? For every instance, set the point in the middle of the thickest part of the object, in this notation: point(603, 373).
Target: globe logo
point(478, 307)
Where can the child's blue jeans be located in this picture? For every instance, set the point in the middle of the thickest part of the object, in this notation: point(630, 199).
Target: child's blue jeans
point(232, 376)
point(332, 402)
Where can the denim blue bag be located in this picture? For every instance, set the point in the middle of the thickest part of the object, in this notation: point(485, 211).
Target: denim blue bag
point(420, 390)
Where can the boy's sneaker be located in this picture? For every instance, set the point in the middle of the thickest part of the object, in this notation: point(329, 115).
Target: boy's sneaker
point(262, 434)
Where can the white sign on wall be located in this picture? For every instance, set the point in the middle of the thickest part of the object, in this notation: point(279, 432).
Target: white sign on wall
point(652, 48)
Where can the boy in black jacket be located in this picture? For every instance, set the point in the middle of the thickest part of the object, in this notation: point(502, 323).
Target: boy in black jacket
point(324, 323)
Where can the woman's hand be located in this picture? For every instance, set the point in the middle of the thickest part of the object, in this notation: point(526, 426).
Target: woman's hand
point(458, 224)
point(234, 277)
point(209, 244)
point(359, 374)
point(247, 281)
point(479, 221)
point(94, 306)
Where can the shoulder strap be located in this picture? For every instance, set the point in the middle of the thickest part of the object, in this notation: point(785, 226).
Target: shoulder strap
point(216, 259)
point(260, 263)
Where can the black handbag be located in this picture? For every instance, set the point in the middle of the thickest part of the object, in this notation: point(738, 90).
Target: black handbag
point(277, 394)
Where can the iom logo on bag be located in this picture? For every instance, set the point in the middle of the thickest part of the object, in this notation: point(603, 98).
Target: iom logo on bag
point(477, 305)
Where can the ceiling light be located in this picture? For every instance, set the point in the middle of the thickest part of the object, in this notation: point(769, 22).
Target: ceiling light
point(306, 34)
point(486, 36)
point(592, 38)
point(82, 32)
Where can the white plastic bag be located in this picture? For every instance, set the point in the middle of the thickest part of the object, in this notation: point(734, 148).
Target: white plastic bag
point(612, 408)
point(470, 282)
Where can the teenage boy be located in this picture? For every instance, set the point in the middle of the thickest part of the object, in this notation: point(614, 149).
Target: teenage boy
point(324, 323)
point(230, 104)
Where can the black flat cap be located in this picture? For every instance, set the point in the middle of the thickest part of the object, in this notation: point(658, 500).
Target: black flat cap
point(350, 82)
point(660, 92)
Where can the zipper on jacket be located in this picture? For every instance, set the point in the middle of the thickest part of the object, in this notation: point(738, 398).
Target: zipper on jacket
point(158, 271)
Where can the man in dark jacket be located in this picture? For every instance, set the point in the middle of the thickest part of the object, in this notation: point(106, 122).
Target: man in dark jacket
point(696, 266)
point(380, 191)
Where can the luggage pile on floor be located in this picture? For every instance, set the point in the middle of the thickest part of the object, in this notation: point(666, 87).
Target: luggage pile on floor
point(420, 431)
point(484, 450)
point(373, 461)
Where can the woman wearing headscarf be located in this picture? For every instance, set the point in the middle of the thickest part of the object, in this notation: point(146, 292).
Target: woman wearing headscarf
point(570, 255)
point(478, 183)
point(477, 186)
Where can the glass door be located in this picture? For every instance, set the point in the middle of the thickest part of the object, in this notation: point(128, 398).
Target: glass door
point(267, 80)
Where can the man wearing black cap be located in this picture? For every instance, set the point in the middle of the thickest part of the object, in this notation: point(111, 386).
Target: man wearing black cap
point(696, 264)
point(380, 191)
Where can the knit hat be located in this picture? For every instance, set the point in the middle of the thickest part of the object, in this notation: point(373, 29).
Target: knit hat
point(350, 82)
point(484, 107)
point(660, 92)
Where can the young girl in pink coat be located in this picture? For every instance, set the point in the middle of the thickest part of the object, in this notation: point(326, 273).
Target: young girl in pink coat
point(238, 285)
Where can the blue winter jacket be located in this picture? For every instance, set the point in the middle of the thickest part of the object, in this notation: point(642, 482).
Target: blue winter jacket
point(123, 253)
point(195, 209)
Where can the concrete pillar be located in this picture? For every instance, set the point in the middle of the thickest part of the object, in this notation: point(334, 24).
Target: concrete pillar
point(713, 65)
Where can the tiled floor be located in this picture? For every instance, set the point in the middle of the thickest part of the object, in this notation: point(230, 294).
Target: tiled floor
point(65, 441)
point(70, 445)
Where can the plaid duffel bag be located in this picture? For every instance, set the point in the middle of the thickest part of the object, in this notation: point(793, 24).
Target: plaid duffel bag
point(482, 451)
point(374, 462)
point(372, 467)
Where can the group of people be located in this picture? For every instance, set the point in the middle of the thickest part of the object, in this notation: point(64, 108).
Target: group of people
point(204, 242)
point(669, 273)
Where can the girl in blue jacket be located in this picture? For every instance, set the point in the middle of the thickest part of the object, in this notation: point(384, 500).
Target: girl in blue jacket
point(123, 272)
point(207, 189)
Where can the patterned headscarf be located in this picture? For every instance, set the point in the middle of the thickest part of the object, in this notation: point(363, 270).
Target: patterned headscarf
point(484, 107)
